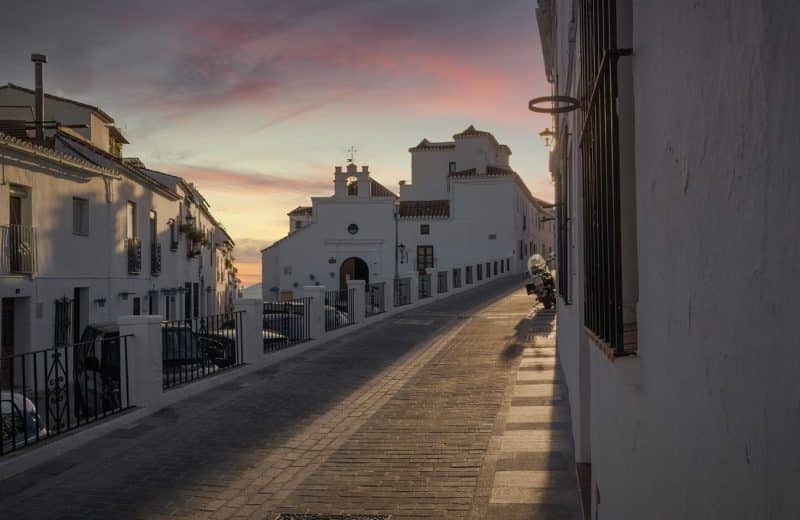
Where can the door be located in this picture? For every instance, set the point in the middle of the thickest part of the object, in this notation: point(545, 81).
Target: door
point(15, 238)
point(6, 341)
point(353, 269)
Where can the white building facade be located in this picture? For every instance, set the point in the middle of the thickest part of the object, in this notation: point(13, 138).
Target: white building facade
point(465, 215)
point(678, 253)
point(88, 236)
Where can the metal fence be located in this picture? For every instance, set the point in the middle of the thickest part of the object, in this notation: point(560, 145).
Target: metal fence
point(52, 391)
point(441, 282)
point(457, 278)
point(402, 291)
point(286, 323)
point(200, 347)
point(376, 302)
point(424, 286)
point(339, 308)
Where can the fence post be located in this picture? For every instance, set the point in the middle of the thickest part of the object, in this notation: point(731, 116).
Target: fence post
point(316, 310)
point(433, 276)
point(252, 328)
point(359, 305)
point(388, 295)
point(145, 367)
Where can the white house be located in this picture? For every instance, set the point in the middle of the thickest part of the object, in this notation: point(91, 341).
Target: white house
point(466, 215)
point(87, 236)
point(679, 253)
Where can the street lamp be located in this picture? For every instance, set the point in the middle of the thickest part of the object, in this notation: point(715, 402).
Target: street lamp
point(548, 136)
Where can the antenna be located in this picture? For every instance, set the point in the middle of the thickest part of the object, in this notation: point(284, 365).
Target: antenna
point(352, 151)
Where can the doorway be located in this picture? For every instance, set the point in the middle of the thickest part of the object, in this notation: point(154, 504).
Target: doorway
point(353, 268)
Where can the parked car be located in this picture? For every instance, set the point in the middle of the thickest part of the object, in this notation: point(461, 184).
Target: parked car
point(20, 421)
point(286, 318)
point(96, 359)
point(187, 355)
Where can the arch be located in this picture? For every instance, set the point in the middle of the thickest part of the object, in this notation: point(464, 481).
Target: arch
point(353, 268)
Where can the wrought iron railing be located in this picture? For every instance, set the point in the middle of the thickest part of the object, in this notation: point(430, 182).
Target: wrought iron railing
point(286, 323)
point(457, 278)
point(424, 286)
point(339, 308)
point(48, 392)
point(196, 348)
point(18, 249)
point(441, 282)
point(402, 291)
point(155, 259)
point(376, 302)
point(134, 247)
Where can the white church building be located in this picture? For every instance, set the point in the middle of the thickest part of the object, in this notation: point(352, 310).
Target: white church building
point(466, 217)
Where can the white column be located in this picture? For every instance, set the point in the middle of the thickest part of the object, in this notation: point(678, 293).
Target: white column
point(388, 295)
point(414, 296)
point(144, 363)
point(316, 310)
point(356, 289)
point(433, 275)
point(252, 317)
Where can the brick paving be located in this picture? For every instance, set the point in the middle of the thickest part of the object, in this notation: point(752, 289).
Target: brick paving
point(445, 411)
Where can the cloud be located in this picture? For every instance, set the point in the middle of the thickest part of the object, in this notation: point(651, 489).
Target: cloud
point(214, 178)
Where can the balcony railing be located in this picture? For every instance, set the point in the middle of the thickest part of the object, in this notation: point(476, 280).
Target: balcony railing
point(155, 259)
point(18, 249)
point(134, 246)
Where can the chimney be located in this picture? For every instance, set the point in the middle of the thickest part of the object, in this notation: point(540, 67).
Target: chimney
point(38, 59)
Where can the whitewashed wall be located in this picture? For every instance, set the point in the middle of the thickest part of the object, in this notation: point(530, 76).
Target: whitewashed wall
point(711, 428)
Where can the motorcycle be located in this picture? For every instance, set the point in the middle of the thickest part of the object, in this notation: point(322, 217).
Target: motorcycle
point(542, 283)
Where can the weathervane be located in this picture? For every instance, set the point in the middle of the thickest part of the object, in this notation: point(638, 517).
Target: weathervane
point(352, 151)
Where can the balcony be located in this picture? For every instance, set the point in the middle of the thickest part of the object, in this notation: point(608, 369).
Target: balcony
point(18, 249)
point(134, 246)
point(155, 259)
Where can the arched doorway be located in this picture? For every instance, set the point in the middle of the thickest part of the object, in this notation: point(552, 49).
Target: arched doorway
point(353, 269)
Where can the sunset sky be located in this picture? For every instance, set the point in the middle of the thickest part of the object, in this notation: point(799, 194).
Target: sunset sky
point(257, 101)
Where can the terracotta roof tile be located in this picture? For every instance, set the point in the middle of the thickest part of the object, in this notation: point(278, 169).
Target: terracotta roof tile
point(304, 211)
point(429, 145)
point(424, 208)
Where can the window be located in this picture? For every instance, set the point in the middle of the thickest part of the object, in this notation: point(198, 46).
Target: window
point(451, 167)
point(173, 235)
point(495, 267)
point(607, 174)
point(520, 250)
point(456, 278)
point(479, 269)
point(298, 224)
point(424, 257)
point(468, 274)
point(196, 300)
point(137, 306)
point(131, 230)
point(524, 222)
point(488, 270)
point(153, 227)
point(80, 216)
point(424, 229)
point(508, 264)
point(187, 301)
point(492, 237)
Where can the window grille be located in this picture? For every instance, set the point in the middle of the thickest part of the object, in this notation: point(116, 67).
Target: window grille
point(600, 161)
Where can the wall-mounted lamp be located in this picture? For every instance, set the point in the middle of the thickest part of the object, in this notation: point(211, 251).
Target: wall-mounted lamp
point(548, 137)
point(100, 302)
point(331, 260)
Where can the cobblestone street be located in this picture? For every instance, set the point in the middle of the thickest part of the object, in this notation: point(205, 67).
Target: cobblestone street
point(454, 410)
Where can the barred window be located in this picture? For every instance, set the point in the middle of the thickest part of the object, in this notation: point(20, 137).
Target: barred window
point(603, 182)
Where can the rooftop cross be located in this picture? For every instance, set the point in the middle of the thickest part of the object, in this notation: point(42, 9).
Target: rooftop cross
point(352, 151)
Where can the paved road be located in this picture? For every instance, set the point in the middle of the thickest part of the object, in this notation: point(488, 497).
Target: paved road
point(412, 417)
